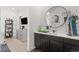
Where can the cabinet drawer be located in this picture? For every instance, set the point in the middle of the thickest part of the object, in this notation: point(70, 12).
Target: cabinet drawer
point(37, 35)
point(44, 36)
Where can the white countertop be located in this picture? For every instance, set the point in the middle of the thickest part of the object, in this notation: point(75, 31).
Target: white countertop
point(60, 35)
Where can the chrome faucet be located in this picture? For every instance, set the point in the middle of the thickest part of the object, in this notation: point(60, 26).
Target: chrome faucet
point(54, 31)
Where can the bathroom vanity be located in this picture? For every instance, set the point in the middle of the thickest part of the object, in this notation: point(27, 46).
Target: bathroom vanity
point(56, 42)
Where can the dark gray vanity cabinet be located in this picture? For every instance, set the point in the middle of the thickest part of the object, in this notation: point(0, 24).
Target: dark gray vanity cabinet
point(56, 44)
point(48, 43)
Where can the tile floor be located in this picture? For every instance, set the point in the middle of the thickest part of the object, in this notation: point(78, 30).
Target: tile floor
point(16, 45)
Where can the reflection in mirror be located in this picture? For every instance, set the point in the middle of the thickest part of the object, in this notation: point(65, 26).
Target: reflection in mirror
point(55, 16)
point(56, 20)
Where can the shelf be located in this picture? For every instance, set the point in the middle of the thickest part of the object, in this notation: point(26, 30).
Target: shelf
point(8, 28)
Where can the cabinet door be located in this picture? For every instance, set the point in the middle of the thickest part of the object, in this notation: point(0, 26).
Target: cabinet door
point(44, 41)
point(41, 42)
point(37, 40)
point(56, 45)
point(71, 45)
point(44, 44)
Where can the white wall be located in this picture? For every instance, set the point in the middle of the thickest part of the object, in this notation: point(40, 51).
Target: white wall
point(14, 13)
point(34, 22)
point(34, 17)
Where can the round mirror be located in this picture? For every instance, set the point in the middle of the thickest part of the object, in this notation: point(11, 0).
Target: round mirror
point(56, 16)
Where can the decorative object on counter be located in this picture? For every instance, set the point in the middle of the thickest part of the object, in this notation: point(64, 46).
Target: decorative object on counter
point(43, 29)
point(56, 16)
point(54, 31)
